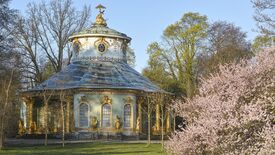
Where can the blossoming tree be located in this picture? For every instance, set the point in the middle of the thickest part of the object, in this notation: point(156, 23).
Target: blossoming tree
point(234, 112)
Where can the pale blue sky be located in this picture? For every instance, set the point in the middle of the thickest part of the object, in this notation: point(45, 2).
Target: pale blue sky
point(145, 20)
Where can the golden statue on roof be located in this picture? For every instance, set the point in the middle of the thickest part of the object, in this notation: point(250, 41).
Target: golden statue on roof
point(99, 18)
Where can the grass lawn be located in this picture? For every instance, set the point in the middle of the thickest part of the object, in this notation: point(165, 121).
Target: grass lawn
point(87, 148)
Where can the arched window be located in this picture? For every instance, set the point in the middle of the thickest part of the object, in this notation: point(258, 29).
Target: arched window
point(106, 115)
point(83, 115)
point(127, 115)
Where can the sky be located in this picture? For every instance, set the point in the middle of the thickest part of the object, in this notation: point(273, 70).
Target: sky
point(145, 20)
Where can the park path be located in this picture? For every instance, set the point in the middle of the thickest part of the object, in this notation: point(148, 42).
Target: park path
point(14, 141)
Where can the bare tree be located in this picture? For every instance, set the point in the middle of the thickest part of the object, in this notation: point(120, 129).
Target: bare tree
point(46, 98)
point(44, 33)
point(26, 37)
point(62, 98)
point(264, 16)
point(148, 109)
point(163, 101)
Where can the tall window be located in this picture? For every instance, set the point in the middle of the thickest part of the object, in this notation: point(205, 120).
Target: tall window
point(83, 115)
point(23, 113)
point(127, 115)
point(106, 115)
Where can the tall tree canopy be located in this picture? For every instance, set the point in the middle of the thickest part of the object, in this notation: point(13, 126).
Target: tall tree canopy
point(176, 53)
point(7, 17)
point(193, 47)
point(9, 72)
point(225, 43)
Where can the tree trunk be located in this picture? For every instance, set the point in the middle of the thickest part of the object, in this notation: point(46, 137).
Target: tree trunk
point(162, 124)
point(1, 143)
point(149, 129)
point(2, 136)
point(7, 90)
point(63, 124)
point(149, 124)
point(46, 124)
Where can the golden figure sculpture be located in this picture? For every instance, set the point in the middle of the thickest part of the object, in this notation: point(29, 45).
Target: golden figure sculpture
point(99, 18)
point(94, 122)
point(32, 127)
point(106, 99)
point(117, 123)
point(128, 100)
point(155, 129)
point(21, 128)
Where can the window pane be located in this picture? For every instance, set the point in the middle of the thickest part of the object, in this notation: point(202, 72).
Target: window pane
point(83, 114)
point(127, 115)
point(106, 122)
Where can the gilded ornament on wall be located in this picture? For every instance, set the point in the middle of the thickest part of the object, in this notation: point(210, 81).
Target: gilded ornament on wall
point(32, 127)
point(21, 128)
point(102, 45)
point(118, 123)
point(94, 122)
point(83, 99)
point(128, 100)
point(106, 99)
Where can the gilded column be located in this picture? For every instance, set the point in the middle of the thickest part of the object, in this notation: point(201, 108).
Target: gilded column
point(68, 112)
point(168, 121)
point(157, 117)
point(29, 103)
point(139, 118)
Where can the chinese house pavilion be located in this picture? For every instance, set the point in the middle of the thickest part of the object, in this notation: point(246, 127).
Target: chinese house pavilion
point(101, 93)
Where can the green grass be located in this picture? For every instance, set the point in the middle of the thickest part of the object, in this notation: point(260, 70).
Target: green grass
point(87, 148)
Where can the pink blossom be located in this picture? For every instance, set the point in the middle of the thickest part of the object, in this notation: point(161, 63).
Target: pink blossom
point(233, 112)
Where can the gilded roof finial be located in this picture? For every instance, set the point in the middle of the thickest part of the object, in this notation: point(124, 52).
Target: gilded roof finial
point(99, 18)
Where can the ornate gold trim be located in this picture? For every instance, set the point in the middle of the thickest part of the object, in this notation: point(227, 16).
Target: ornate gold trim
point(99, 41)
point(128, 100)
point(107, 100)
point(83, 99)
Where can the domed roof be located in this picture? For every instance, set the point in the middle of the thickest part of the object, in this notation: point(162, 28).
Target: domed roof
point(98, 75)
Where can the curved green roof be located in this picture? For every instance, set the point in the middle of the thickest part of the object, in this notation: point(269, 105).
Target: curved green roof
point(98, 75)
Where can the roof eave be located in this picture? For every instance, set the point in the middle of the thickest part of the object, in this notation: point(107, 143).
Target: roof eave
point(99, 35)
